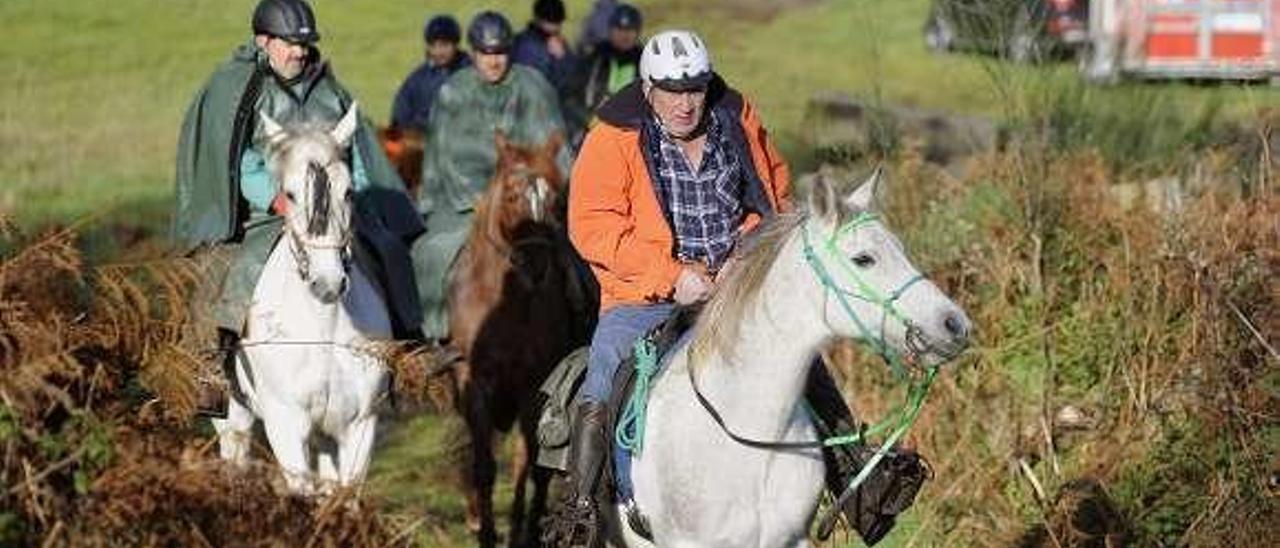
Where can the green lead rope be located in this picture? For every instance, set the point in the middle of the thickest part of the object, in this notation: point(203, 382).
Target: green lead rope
point(629, 433)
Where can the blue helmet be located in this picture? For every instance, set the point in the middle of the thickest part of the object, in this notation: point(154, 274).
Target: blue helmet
point(442, 27)
point(291, 20)
point(490, 33)
point(626, 16)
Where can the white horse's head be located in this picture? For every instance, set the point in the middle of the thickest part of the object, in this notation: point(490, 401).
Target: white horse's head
point(309, 164)
point(871, 290)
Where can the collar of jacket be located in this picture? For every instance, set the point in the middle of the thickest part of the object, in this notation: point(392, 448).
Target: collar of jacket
point(534, 30)
point(628, 109)
point(315, 71)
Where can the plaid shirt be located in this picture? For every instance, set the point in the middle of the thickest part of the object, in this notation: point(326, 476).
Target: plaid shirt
point(704, 207)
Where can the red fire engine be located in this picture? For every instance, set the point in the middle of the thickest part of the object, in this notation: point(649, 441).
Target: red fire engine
point(1216, 39)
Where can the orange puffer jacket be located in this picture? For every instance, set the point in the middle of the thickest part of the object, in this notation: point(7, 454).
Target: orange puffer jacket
point(615, 219)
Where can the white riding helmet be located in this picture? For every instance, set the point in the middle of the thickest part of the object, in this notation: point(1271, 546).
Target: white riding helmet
point(676, 60)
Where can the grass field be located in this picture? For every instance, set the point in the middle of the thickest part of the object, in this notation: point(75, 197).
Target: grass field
point(95, 92)
point(1075, 305)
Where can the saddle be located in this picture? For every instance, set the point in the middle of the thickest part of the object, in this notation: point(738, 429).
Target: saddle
point(555, 426)
point(560, 389)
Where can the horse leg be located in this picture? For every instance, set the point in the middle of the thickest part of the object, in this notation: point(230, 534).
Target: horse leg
point(520, 475)
point(541, 479)
point(327, 458)
point(287, 431)
point(235, 433)
point(482, 469)
point(354, 449)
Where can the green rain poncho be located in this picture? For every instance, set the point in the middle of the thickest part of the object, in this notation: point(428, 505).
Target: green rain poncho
point(460, 159)
point(221, 184)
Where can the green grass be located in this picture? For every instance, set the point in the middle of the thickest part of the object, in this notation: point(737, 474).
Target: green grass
point(96, 91)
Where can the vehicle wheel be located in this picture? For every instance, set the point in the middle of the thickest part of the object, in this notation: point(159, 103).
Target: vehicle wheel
point(939, 35)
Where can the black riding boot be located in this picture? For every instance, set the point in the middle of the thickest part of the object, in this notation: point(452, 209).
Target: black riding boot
point(577, 522)
point(213, 384)
point(891, 487)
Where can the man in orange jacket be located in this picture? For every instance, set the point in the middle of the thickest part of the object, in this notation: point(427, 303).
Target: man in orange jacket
point(677, 168)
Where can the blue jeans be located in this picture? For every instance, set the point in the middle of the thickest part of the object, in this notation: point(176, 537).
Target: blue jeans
point(616, 332)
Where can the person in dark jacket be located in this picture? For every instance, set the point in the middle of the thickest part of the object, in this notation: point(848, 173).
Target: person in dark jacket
point(226, 195)
point(616, 62)
point(595, 28)
point(443, 58)
point(541, 45)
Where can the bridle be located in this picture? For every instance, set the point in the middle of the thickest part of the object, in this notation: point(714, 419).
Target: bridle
point(300, 250)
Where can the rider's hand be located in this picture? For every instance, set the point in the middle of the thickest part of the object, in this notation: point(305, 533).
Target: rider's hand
point(280, 205)
point(693, 285)
point(556, 46)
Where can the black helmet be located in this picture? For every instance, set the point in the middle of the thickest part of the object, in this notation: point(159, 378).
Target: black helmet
point(288, 19)
point(442, 27)
point(626, 16)
point(551, 11)
point(489, 33)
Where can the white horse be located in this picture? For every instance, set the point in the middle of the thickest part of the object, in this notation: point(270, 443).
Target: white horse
point(305, 366)
point(807, 278)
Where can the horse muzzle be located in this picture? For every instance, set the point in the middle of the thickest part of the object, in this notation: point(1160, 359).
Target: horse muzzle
point(329, 289)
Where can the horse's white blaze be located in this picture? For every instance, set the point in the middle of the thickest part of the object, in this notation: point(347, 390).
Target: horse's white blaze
point(305, 366)
point(696, 485)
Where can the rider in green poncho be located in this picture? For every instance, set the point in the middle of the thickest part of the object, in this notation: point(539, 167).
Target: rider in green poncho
point(460, 158)
point(225, 193)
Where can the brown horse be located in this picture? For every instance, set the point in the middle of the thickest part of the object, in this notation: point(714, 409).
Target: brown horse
point(512, 319)
point(403, 148)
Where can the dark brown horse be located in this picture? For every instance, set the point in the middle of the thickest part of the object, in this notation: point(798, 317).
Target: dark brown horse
point(512, 319)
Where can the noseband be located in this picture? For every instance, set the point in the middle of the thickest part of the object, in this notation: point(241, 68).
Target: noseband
point(915, 339)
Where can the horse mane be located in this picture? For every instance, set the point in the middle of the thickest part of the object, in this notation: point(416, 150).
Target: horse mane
point(718, 323)
point(720, 320)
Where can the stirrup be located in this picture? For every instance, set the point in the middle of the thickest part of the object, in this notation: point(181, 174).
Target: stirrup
point(636, 520)
point(576, 524)
point(212, 398)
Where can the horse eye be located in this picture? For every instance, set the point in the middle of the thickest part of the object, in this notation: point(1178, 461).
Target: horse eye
point(351, 195)
point(864, 260)
point(289, 194)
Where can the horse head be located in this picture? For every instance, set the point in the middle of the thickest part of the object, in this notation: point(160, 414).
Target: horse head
point(870, 289)
point(308, 162)
point(526, 186)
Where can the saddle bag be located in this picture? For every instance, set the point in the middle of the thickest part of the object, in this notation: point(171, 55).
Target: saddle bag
point(888, 491)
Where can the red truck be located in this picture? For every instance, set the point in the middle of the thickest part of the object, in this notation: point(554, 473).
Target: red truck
point(1200, 39)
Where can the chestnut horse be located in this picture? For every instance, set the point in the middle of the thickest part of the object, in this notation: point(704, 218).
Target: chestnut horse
point(512, 319)
point(404, 149)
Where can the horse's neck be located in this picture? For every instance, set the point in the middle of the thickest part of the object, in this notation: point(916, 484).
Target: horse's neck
point(760, 377)
point(282, 290)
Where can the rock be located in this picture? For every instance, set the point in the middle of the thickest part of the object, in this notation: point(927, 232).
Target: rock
point(850, 128)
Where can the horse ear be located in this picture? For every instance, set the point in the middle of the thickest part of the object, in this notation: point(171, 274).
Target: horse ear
point(866, 196)
point(554, 142)
point(271, 129)
point(823, 203)
point(501, 144)
point(346, 127)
